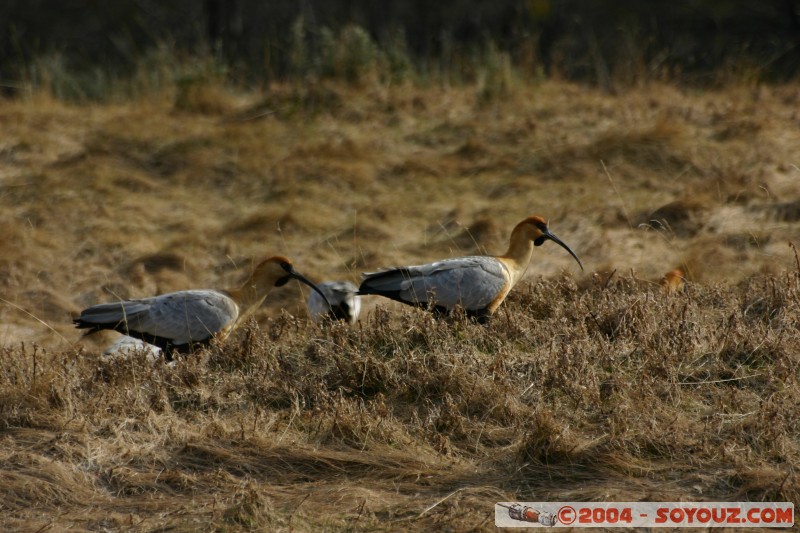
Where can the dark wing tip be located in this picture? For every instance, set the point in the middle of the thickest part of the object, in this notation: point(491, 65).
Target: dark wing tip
point(89, 326)
point(377, 282)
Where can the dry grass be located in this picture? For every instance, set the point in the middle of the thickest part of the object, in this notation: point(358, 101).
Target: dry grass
point(604, 386)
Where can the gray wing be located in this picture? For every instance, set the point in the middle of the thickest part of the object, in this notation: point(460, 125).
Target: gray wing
point(471, 282)
point(345, 303)
point(181, 317)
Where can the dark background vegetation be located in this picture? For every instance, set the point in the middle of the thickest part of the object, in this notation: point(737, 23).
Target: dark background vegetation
point(591, 41)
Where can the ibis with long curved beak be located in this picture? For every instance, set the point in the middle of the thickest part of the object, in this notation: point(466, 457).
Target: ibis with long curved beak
point(186, 320)
point(478, 284)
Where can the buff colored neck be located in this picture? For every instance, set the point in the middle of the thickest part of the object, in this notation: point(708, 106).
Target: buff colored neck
point(249, 296)
point(519, 252)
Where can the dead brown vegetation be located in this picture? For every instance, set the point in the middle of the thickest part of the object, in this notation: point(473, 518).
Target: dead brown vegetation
point(596, 387)
point(612, 392)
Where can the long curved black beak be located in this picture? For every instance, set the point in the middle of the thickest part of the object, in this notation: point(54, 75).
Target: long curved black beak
point(301, 278)
point(561, 243)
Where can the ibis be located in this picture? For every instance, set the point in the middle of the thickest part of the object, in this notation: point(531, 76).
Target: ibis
point(345, 303)
point(180, 322)
point(478, 284)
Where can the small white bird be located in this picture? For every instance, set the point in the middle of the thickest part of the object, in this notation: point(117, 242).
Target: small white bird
point(345, 303)
point(125, 346)
point(185, 320)
point(478, 284)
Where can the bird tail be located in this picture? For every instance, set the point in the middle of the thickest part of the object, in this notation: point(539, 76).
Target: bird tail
point(387, 283)
point(113, 315)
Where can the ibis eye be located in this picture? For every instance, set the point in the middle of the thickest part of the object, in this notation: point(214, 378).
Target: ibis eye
point(282, 281)
point(539, 240)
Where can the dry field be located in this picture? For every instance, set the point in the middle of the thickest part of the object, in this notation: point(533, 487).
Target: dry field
point(587, 385)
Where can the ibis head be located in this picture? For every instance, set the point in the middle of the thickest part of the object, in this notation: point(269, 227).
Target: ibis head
point(535, 229)
point(278, 271)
